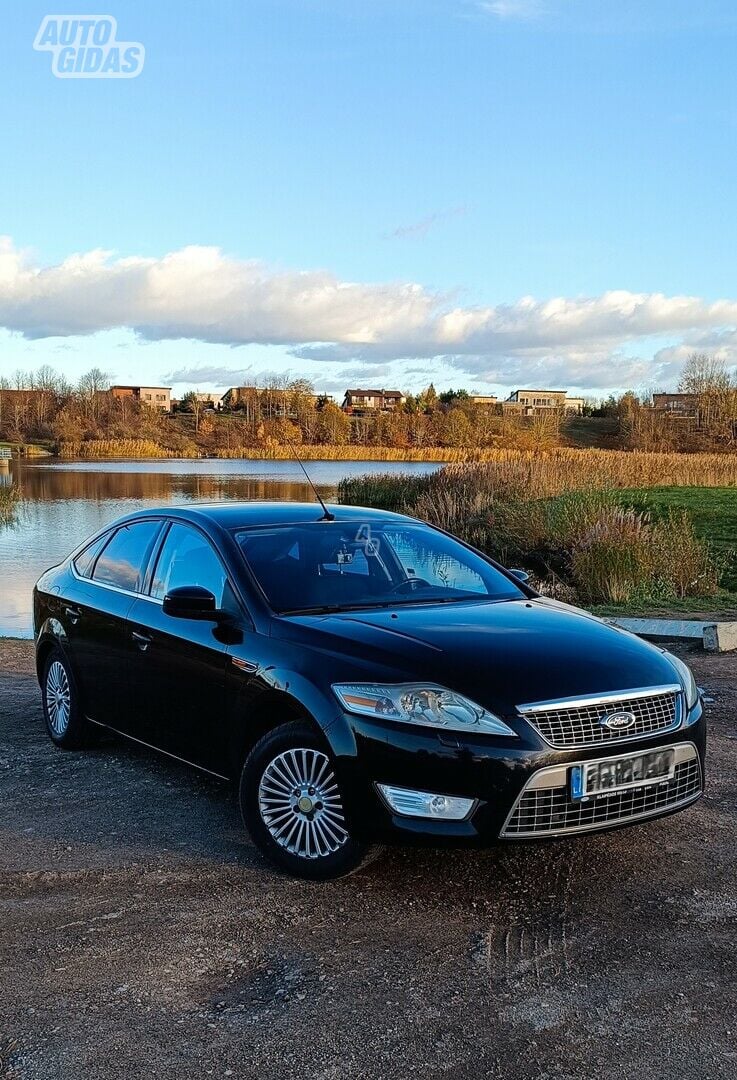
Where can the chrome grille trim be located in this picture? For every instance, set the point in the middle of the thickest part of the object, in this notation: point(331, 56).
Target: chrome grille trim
point(567, 723)
point(544, 807)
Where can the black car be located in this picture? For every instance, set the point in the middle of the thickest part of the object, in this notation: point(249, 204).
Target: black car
point(363, 677)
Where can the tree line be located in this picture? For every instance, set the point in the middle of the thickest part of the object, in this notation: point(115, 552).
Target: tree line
point(43, 406)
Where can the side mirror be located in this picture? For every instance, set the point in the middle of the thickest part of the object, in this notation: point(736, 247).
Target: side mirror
point(191, 602)
point(521, 575)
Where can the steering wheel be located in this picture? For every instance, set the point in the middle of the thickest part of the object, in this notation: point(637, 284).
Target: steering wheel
point(411, 583)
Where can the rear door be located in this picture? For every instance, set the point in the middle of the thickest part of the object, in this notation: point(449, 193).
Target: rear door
point(96, 609)
point(181, 664)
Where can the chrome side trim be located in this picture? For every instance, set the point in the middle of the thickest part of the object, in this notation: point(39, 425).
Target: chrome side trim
point(599, 699)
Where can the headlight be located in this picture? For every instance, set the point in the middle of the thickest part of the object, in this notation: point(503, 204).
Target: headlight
point(421, 704)
point(687, 680)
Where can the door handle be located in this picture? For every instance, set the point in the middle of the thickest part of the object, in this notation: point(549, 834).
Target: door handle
point(142, 640)
point(73, 614)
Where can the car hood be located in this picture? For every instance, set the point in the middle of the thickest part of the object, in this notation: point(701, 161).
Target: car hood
point(500, 654)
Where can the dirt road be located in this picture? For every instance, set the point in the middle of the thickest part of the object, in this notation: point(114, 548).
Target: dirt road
point(142, 936)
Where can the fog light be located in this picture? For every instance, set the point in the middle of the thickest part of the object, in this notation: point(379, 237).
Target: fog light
point(426, 804)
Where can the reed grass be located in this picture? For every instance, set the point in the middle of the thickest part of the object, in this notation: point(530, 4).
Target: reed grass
point(145, 448)
point(319, 452)
point(9, 501)
point(99, 449)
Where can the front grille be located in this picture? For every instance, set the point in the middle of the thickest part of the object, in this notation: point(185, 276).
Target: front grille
point(581, 725)
point(548, 811)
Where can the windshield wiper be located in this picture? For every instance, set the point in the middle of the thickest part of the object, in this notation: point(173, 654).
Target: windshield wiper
point(329, 609)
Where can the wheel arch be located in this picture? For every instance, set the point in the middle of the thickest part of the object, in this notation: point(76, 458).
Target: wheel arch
point(270, 710)
point(51, 636)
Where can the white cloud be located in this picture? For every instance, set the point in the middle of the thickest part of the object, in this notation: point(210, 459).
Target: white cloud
point(513, 9)
point(199, 293)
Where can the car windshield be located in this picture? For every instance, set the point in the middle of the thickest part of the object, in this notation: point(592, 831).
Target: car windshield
point(343, 565)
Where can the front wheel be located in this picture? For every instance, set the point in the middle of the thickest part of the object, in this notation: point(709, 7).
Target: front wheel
point(293, 808)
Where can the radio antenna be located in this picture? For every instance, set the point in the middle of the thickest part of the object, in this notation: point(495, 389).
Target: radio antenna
point(326, 515)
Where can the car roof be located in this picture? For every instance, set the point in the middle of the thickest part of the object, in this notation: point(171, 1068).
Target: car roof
point(234, 515)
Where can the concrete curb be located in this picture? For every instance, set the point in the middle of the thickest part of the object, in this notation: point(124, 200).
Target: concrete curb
point(716, 636)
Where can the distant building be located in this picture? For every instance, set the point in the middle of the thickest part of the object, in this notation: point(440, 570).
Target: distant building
point(483, 399)
point(371, 401)
point(155, 397)
point(684, 405)
point(206, 398)
point(528, 402)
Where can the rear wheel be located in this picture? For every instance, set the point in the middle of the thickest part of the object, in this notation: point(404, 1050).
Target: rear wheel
point(292, 806)
point(65, 723)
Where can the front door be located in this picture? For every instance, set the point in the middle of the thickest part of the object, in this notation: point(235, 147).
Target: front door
point(180, 665)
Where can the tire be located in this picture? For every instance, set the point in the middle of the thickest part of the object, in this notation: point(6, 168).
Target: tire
point(65, 722)
point(298, 825)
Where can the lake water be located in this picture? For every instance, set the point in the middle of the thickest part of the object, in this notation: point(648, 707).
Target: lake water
point(63, 502)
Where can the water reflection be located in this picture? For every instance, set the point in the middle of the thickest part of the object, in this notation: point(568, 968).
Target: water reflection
point(63, 502)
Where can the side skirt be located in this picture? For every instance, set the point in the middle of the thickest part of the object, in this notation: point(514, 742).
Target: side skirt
point(166, 753)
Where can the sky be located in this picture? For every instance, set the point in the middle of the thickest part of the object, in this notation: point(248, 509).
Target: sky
point(488, 194)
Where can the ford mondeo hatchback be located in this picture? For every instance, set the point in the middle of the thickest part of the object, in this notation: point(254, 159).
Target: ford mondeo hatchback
point(363, 677)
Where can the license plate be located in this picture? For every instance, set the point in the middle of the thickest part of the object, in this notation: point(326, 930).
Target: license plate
point(617, 774)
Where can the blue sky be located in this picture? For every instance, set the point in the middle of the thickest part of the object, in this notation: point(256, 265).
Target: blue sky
point(486, 193)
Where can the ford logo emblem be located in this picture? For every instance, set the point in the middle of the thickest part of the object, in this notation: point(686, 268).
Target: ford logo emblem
point(619, 721)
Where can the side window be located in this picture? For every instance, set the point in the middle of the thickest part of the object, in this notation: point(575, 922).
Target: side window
point(187, 558)
point(85, 560)
point(123, 559)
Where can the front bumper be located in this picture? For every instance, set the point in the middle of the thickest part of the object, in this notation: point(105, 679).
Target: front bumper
point(520, 786)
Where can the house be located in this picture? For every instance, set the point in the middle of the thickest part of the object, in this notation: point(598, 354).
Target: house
point(155, 397)
point(362, 402)
point(207, 399)
point(483, 399)
point(677, 405)
point(529, 402)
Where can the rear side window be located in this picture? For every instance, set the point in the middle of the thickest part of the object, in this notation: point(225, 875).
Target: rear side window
point(187, 558)
point(123, 561)
point(86, 559)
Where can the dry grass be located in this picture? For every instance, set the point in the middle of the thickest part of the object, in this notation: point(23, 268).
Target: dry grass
point(99, 449)
point(9, 500)
point(553, 472)
point(351, 452)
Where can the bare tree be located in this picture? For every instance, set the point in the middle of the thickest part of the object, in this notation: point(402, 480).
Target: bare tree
point(707, 377)
point(91, 385)
point(192, 403)
point(704, 374)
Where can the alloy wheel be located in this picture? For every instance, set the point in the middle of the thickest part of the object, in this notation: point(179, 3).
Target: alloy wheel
point(299, 802)
point(58, 698)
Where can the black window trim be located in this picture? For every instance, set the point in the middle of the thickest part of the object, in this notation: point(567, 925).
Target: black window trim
point(156, 555)
point(117, 588)
point(105, 536)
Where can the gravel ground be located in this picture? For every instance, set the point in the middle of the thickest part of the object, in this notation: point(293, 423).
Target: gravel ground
point(141, 934)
